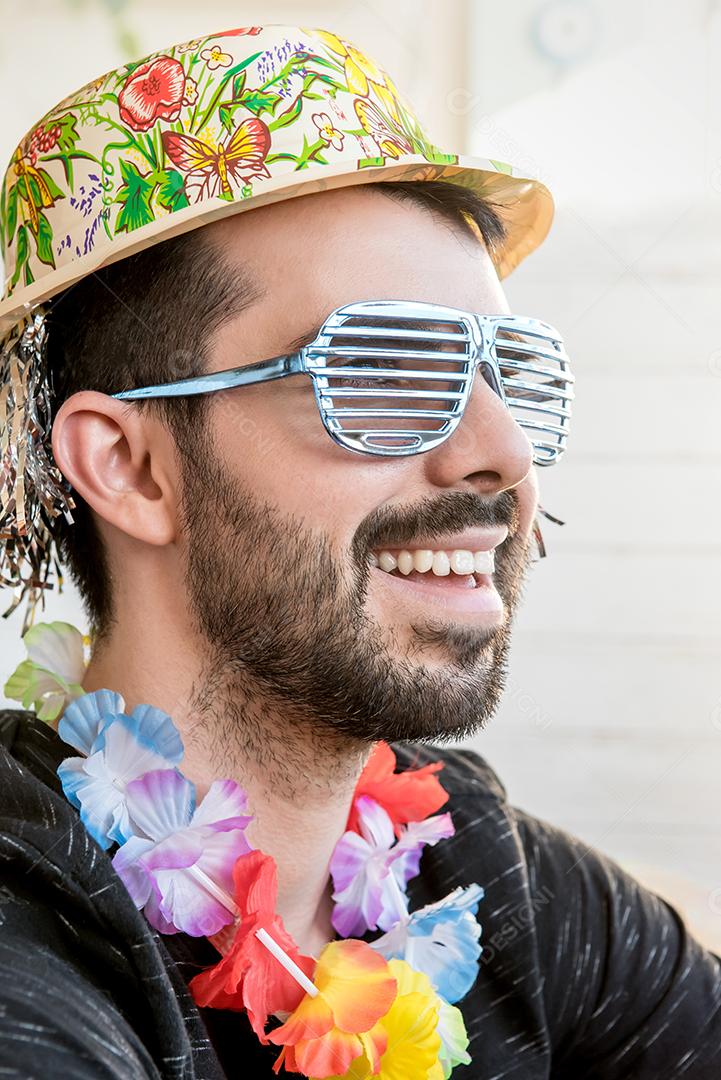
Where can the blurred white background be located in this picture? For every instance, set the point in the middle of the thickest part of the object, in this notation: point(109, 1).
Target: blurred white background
point(611, 726)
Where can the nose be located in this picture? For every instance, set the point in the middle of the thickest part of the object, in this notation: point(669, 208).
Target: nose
point(488, 447)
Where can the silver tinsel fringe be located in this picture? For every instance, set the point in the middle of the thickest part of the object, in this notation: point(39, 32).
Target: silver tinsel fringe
point(33, 491)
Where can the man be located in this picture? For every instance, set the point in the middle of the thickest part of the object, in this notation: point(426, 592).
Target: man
point(290, 599)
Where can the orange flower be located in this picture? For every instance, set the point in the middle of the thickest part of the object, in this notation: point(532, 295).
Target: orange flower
point(406, 796)
point(326, 1033)
point(411, 1028)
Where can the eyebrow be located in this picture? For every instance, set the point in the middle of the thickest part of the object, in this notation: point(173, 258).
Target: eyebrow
point(374, 321)
point(304, 339)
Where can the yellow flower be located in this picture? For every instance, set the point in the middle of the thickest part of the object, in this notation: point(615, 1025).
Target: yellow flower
point(410, 1025)
point(361, 72)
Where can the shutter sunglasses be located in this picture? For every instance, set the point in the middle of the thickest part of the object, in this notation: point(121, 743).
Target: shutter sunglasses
point(392, 377)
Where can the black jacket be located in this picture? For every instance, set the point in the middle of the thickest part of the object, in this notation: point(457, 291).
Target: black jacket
point(584, 973)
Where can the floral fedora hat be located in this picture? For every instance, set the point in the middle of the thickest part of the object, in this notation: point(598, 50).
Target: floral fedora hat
point(211, 127)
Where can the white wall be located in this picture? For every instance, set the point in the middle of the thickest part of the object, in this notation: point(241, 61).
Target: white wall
point(612, 723)
point(612, 726)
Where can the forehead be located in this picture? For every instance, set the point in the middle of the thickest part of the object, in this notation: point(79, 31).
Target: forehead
point(309, 255)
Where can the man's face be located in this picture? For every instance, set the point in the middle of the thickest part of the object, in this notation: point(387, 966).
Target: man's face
point(283, 526)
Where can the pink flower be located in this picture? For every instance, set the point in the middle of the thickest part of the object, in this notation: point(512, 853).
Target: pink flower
point(154, 91)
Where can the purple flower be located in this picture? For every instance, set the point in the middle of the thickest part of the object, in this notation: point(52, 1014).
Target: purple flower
point(92, 229)
point(406, 855)
point(370, 870)
point(85, 205)
point(180, 871)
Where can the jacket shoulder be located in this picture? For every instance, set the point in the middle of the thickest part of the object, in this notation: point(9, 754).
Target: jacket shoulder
point(31, 745)
point(464, 772)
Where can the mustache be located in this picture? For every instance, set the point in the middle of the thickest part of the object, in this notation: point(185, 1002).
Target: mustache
point(450, 512)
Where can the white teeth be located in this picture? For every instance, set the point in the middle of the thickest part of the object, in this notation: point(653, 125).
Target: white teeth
point(386, 561)
point(423, 560)
point(440, 563)
point(484, 562)
point(405, 562)
point(462, 562)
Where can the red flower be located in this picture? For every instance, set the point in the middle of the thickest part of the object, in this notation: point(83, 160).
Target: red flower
point(241, 30)
point(249, 977)
point(406, 796)
point(154, 91)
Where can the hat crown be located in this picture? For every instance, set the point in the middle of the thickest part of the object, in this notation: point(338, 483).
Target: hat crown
point(218, 119)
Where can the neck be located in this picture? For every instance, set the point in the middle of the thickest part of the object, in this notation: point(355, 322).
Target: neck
point(299, 781)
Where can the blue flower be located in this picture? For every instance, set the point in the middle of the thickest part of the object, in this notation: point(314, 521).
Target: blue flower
point(441, 940)
point(84, 719)
point(117, 749)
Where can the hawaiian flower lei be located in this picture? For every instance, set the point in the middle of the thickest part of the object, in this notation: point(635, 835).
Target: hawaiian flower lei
point(384, 1008)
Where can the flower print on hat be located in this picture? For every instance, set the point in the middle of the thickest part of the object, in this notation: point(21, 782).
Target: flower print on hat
point(153, 91)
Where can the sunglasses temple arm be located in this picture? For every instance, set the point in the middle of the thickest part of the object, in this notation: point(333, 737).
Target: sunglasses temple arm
point(220, 380)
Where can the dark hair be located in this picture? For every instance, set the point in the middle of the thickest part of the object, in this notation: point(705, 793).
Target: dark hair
point(149, 319)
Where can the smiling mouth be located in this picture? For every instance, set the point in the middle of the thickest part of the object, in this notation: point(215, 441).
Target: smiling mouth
point(457, 580)
point(455, 568)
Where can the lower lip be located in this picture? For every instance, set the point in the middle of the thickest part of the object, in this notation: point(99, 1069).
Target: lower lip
point(484, 599)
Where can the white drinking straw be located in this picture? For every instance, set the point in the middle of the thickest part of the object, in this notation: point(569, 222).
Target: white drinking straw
point(214, 889)
point(400, 900)
point(402, 909)
point(262, 935)
point(290, 966)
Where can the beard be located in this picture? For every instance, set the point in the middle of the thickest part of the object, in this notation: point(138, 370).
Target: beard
point(289, 635)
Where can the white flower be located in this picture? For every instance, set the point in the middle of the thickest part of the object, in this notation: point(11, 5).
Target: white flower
point(215, 57)
point(51, 676)
point(327, 131)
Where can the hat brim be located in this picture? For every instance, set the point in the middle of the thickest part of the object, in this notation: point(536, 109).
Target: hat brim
point(524, 203)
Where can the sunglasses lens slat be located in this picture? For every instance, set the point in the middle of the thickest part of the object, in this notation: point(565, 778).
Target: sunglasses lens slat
point(391, 414)
point(541, 407)
point(533, 392)
point(442, 395)
point(394, 331)
point(369, 371)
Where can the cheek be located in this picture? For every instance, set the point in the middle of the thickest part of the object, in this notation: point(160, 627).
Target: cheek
point(261, 431)
point(279, 451)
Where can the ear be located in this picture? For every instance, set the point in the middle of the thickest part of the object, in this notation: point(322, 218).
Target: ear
point(121, 461)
